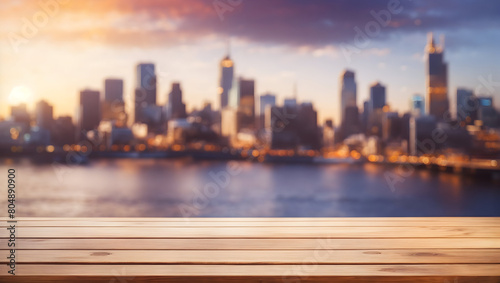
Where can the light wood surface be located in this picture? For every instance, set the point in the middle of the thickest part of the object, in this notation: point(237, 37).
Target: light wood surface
point(253, 250)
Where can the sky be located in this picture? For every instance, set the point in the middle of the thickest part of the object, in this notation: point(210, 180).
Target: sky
point(53, 49)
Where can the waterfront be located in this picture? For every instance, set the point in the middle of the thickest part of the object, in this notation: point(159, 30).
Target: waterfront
point(183, 187)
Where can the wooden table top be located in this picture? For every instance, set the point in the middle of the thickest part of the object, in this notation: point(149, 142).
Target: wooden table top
point(438, 249)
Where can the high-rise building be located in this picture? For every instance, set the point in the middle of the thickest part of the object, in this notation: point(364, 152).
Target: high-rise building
point(417, 104)
point(436, 100)
point(113, 105)
point(420, 133)
point(266, 101)
point(467, 106)
point(291, 102)
point(176, 109)
point(328, 135)
point(89, 115)
point(377, 96)
point(19, 113)
point(391, 126)
point(225, 80)
point(229, 122)
point(246, 103)
point(113, 90)
point(347, 92)
point(308, 131)
point(282, 124)
point(365, 116)
point(486, 112)
point(64, 131)
point(350, 122)
point(145, 90)
point(44, 115)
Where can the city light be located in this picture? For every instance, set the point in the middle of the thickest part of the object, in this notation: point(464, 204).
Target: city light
point(138, 109)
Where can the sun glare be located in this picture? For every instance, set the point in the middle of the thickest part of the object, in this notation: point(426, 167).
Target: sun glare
point(20, 94)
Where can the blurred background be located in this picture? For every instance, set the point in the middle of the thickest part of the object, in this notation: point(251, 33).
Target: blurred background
point(251, 108)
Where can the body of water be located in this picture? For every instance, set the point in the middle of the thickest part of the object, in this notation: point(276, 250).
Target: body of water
point(166, 187)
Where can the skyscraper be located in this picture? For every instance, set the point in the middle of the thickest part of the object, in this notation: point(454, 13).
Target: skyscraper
point(265, 101)
point(365, 116)
point(246, 103)
point(486, 112)
point(20, 114)
point(226, 80)
point(44, 115)
point(176, 109)
point(89, 115)
point(391, 126)
point(467, 106)
point(113, 106)
point(307, 126)
point(420, 131)
point(350, 122)
point(145, 90)
point(437, 80)
point(283, 126)
point(113, 90)
point(417, 104)
point(377, 96)
point(347, 92)
point(64, 131)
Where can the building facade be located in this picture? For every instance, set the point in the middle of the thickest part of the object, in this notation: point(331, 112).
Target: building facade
point(436, 100)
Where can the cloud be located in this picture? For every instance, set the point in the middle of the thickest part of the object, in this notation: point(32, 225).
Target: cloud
point(318, 24)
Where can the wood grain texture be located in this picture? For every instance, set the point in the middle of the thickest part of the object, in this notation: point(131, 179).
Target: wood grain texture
point(255, 232)
point(253, 244)
point(318, 256)
point(256, 279)
point(291, 250)
point(286, 270)
point(261, 222)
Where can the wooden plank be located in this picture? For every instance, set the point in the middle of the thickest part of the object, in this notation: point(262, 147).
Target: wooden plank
point(252, 244)
point(196, 223)
point(407, 256)
point(255, 249)
point(253, 279)
point(266, 219)
point(254, 232)
point(283, 271)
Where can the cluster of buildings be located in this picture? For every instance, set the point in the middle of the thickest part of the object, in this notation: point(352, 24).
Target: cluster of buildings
point(428, 128)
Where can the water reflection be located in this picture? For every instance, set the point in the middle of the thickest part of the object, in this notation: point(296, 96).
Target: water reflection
point(156, 187)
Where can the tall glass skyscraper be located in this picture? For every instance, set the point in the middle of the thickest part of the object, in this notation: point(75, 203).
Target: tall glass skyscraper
point(226, 80)
point(377, 96)
point(145, 92)
point(347, 92)
point(436, 100)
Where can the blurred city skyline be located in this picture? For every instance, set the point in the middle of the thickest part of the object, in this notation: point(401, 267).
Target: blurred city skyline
point(276, 43)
